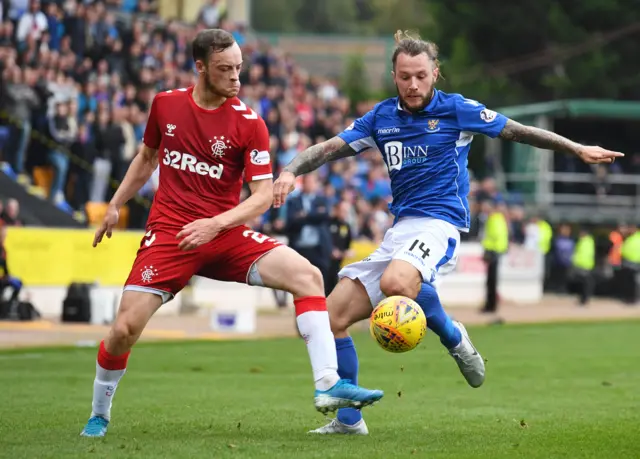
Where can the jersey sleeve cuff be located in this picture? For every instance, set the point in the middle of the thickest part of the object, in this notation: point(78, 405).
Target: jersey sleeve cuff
point(261, 177)
point(358, 144)
point(498, 126)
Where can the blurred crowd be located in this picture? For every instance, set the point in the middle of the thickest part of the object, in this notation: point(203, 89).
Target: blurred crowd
point(76, 82)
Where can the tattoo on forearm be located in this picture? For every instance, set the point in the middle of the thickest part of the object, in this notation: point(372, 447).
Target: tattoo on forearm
point(316, 155)
point(537, 137)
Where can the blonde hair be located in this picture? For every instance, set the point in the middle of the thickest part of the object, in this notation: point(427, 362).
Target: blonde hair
point(409, 42)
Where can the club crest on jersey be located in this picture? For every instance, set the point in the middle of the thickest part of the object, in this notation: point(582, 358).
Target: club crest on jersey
point(433, 124)
point(170, 129)
point(219, 145)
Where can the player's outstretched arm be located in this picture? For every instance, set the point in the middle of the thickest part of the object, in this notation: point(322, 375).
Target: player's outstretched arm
point(317, 155)
point(137, 175)
point(548, 140)
point(307, 161)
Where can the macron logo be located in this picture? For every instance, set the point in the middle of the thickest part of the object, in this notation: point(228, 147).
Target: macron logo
point(393, 130)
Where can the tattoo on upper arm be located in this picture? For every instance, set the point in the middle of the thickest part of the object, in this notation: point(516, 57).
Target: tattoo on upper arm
point(317, 155)
point(537, 137)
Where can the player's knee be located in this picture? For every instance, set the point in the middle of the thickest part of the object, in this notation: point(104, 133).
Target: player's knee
point(396, 284)
point(346, 307)
point(307, 281)
point(339, 319)
point(124, 334)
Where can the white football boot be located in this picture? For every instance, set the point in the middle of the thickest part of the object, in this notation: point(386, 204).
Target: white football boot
point(469, 360)
point(336, 427)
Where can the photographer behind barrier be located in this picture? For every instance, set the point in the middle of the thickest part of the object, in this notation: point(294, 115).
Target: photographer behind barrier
point(6, 280)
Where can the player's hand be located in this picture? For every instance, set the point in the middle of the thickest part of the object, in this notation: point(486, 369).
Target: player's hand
point(198, 233)
point(285, 184)
point(109, 222)
point(598, 155)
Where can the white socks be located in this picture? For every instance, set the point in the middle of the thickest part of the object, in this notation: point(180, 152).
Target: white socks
point(313, 323)
point(104, 388)
point(109, 370)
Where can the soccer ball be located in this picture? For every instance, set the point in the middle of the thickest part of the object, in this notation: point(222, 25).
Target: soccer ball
point(398, 324)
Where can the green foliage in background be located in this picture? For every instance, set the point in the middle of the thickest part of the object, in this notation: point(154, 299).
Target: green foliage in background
point(355, 83)
point(498, 53)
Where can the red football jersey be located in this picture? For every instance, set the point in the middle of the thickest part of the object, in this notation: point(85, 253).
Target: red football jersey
point(204, 155)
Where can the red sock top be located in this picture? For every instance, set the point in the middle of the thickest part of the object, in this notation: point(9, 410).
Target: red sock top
point(112, 362)
point(310, 303)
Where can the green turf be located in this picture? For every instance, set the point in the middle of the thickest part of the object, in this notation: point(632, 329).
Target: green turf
point(552, 391)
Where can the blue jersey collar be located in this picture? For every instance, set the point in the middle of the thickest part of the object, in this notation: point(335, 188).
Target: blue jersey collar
point(428, 108)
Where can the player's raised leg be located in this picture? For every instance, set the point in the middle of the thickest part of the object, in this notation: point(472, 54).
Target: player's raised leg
point(136, 308)
point(347, 304)
point(430, 247)
point(284, 269)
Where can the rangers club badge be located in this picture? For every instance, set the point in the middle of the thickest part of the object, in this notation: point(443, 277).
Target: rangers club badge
point(148, 273)
point(219, 145)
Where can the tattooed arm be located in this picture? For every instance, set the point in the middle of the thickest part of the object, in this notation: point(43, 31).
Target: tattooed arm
point(542, 138)
point(538, 138)
point(316, 155)
point(307, 161)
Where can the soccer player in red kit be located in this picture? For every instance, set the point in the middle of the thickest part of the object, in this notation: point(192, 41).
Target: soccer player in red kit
point(207, 141)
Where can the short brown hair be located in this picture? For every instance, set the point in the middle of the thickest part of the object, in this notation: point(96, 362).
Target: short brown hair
point(211, 41)
point(410, 43)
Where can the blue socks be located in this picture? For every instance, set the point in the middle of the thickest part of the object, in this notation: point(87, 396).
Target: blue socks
point(348, 369)
point(438, 321)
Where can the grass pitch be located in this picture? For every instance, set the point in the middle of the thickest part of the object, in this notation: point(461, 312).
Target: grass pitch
point(552, 391)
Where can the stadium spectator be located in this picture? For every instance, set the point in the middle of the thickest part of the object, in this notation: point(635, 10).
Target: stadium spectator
point(20, 101)
point(631, 265)
point(308, 216)
point(584, 261)
point(341, 233)
point(562, 255)
point(31, 26)
point(6, 279)
point(210, 14)
point(63, 128)
point(495, 243)
point(516, 218)
point(10, 215)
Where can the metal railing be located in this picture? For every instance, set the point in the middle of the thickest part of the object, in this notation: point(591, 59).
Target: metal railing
point(591, 207)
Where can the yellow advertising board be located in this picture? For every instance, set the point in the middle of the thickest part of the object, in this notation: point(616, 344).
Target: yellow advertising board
point(361, 249)
point(55, 257)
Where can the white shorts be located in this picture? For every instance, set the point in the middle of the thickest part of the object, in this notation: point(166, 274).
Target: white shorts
point(428, 244)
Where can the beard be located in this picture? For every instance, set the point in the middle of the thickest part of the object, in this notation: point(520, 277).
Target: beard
point(412, 106)
point(216, 90)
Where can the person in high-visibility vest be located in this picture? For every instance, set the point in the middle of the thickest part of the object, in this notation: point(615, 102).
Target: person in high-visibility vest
point(630, 266)
point(584, 261)
point(545, 237)
point(614, 259)
point(616, 237)
point(495, 244)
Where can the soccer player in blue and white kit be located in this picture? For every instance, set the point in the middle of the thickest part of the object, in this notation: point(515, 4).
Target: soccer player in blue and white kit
point(424, 136)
